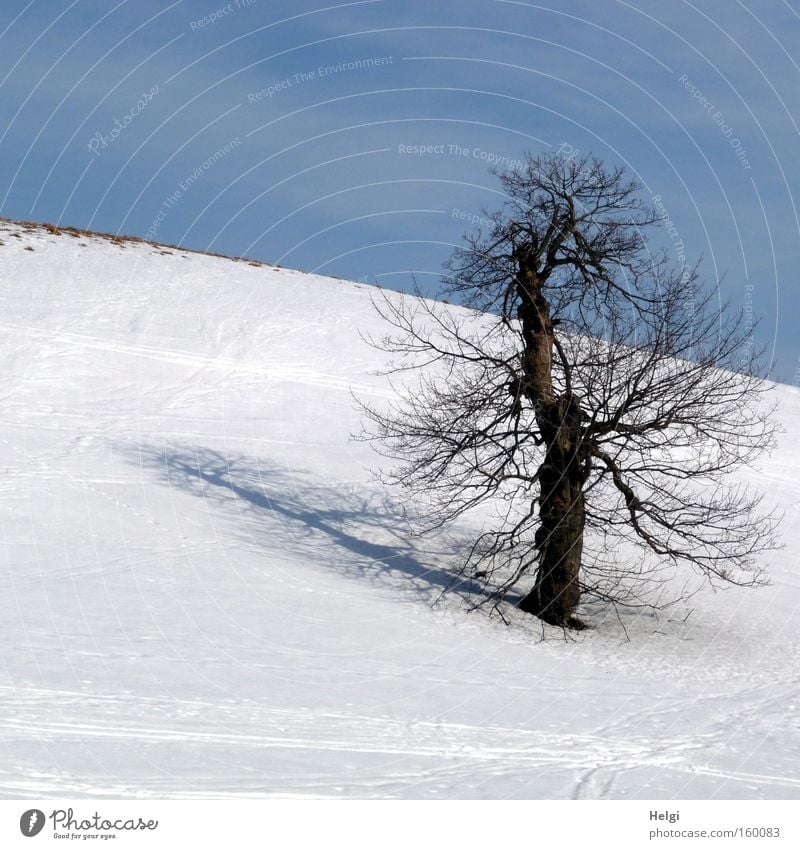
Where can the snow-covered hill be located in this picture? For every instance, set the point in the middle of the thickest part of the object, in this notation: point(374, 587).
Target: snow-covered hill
point(204, 594)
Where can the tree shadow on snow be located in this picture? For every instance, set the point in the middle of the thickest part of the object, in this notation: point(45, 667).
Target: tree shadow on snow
point(361, 534)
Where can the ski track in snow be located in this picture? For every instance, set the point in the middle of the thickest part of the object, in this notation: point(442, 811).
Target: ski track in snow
point(269, 371)
point(249, 627)
point(446, 751)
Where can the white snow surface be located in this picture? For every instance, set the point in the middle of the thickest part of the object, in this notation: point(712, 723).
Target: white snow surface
point(205, 594)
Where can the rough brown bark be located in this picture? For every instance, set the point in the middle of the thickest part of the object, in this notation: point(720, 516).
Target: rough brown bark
point(559, 538)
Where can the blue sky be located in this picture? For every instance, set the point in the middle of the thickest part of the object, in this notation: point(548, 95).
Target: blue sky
point(281, 130)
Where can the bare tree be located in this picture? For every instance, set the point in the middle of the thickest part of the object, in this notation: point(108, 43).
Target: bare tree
point(593, 394)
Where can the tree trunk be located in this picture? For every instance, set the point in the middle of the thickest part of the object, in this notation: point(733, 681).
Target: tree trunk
point(559, 538)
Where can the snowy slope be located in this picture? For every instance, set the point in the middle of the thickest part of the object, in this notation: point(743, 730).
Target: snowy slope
point(204, 594)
